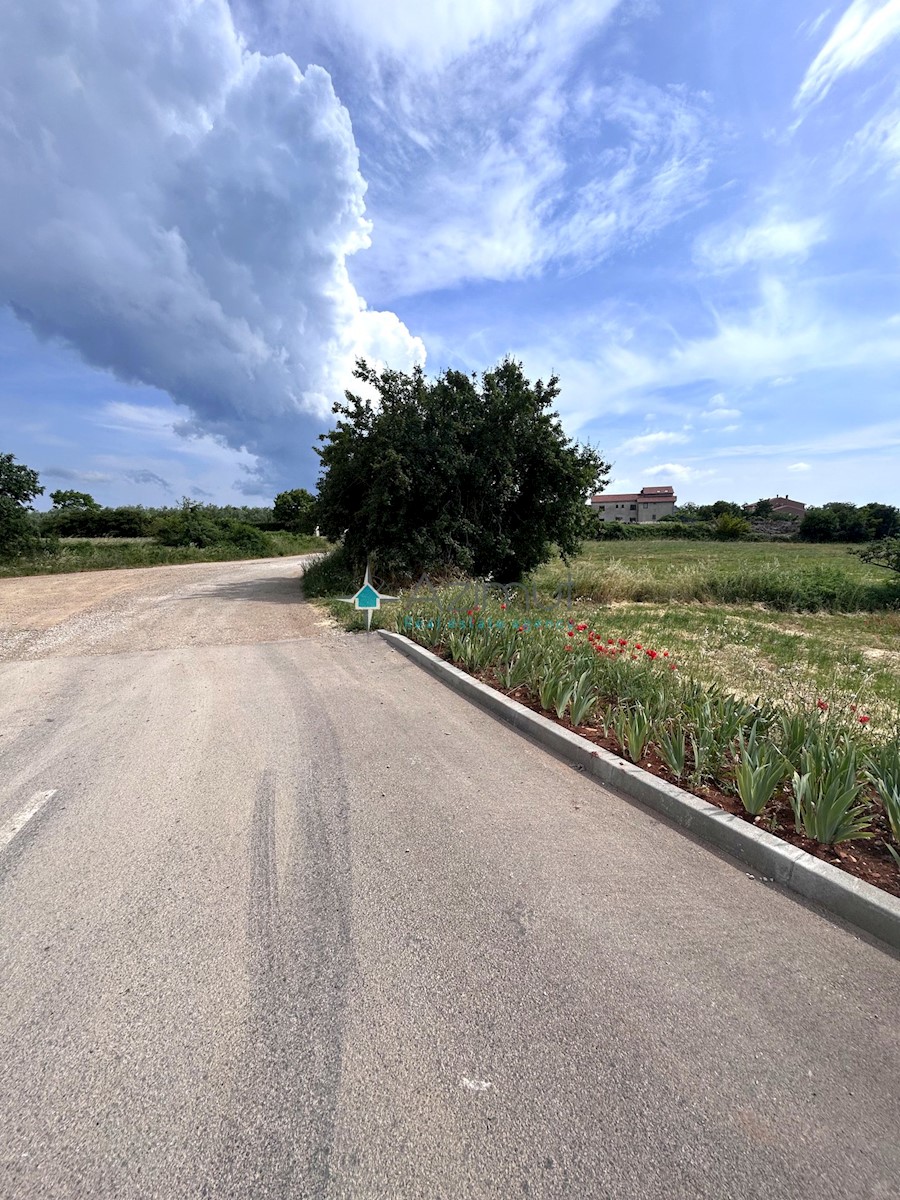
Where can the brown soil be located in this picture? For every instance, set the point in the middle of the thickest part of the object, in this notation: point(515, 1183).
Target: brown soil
point(867, 859)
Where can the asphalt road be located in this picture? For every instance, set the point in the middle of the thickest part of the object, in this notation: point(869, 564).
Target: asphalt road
point(292, 920)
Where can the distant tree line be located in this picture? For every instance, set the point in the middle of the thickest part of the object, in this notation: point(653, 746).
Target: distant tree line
point(724, 520)
point(74, 514)
point(838, 521)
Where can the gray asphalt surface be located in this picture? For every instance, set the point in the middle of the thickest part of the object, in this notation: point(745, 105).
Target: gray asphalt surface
point(298, 922)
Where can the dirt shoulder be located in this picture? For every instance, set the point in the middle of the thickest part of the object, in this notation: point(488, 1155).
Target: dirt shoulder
point(101, 612)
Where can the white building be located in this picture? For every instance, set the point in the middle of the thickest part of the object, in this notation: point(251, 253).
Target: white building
point(635, 508)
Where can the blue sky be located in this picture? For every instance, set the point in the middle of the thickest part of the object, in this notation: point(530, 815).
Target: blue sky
point(688, 212)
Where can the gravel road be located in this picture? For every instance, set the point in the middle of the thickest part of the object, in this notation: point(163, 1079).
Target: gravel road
point(291, 920)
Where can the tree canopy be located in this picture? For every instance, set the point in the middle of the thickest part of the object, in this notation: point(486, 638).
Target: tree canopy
point(74, 500)
point(18, 487)
point(296, 510)
point(839, 521)
point(454, 473)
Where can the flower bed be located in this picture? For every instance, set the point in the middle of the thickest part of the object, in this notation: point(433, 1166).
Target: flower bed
point(820, 778)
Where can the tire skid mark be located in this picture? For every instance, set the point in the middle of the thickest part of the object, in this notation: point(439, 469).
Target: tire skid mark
point(277, 1140)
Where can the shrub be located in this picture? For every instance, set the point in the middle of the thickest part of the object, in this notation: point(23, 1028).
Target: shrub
point(666, 527)
point(246, 538)
point(333, 574)
point(197, 525)
point(729, 528)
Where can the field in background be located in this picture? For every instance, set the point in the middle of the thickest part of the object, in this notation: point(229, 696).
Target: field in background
point(788, 576)
point(99, 554)
point(652, 592)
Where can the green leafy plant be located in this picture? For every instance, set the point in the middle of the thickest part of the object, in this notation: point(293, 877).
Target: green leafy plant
point(584, 699)
point(882, 769)
point(672, 747)
point(632, 729)
point(759, 772)
point(826, 794)
point(554, 692)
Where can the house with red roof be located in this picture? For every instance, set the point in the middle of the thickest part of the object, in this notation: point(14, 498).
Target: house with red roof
point(635, 508)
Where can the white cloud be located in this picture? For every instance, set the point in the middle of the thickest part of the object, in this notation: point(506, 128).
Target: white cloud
point(774, 238)
point(491, 206)
point(787, 334)
point(876, 144)
point(181, 211)
point(503, 160)
point(423, 39)
point(800, 466)
point(721, 414)
point(647, 441)
point(682, 472)
point(865, 28)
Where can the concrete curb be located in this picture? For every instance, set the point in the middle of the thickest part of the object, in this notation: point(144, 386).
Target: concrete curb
point(842, 894)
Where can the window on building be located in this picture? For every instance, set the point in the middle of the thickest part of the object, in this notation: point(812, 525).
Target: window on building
point(632, 506)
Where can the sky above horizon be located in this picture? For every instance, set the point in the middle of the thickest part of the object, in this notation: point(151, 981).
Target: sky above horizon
point(689, 213)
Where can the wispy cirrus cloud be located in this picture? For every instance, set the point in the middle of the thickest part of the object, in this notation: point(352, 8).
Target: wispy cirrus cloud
point(681, 472)
point(649, 441)
point(774, 237)
point(866, 27)
point(73, 476)
point(499, 155)
point(498, 201)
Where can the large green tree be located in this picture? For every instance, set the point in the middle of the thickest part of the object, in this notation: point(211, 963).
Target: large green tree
point(454, 473)
point(18, 487)
point(296, 510)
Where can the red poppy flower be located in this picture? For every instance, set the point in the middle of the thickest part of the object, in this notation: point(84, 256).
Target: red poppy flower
point(638, 646)
point(502, 606)
point(864, 720)
point(610, 641)
point(623, 642)
point(570, 634)
point(822, 705)
point(569, 646)
point(521, 629)
point(665, 654)
point(651, 654)
point(581, 627)
point(853, 708)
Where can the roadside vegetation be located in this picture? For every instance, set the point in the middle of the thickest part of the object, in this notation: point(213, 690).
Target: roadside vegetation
point(78, 534)
point(786, 576)
point(105, 554)
point(804, 745)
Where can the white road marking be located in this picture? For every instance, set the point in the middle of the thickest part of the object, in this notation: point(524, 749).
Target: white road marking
point(21, 819)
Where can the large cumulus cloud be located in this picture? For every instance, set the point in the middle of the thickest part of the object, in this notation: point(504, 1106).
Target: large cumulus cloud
point(180, 210)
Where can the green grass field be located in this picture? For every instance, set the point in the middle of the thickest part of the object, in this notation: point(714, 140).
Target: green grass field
point(780, 575)
point(791, 621)
point(673, 556)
